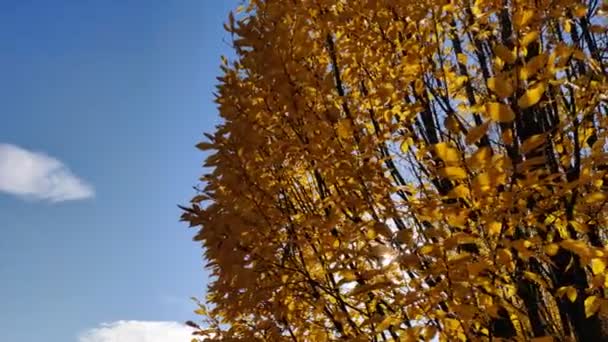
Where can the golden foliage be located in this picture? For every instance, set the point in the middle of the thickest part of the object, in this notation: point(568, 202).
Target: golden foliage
point(357, 193)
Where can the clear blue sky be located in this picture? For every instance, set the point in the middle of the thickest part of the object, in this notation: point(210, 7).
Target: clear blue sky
point(120, 92)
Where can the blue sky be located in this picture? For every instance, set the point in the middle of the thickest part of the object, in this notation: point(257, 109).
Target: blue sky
point(118, 92)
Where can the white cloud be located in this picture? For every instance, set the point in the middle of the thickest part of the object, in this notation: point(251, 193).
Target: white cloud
point(36, 175)
point(138, 331)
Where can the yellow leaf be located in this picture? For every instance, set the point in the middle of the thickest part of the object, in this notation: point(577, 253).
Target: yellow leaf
point(532, 143)
point(383, 229)
point(405, 145)
point(447, 153)
point(475, 268)
point(592, 304)
point(481, 183)
point(462, 58)
point(459, 191)
point(460, 80)
point(501, 86)
point(494, 228)
point(409, 260)
point(598, 266)
point(561, 291)
point(476, 10)
point(533, 66)
point(543, 339)
point(551, 249)
point(449, 8)
point(344, 129)
point(577, 246)
point(454, 172)
point(475, 133)
point(535, 278)
point(458, 219)
point(404, 236)
point(522, 17)
point(386, 322)
point(499, 112)
point(505, 257)
point(480, 158)
point(507, 136)
point(528, 38)
point(204, 146)
point(580, 11)
point(361, 288)
point(452, 124)
point(370, 234)
point(452, 324)
point(567, 26)
point(595, 197)
point(348, 275)
point(386, 89)
point(579, 227)
point(430, 332)
point(532, 96)
point(426, 249)
point(572, 294)
point(504, 53)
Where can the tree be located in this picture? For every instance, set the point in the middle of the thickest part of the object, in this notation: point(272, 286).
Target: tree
point(409, 170)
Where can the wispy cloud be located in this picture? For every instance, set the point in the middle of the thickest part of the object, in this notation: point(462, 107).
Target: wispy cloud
point(138, 331)
point(36, 175)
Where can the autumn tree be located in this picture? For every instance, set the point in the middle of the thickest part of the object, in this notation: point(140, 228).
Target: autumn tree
point(409, 170)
